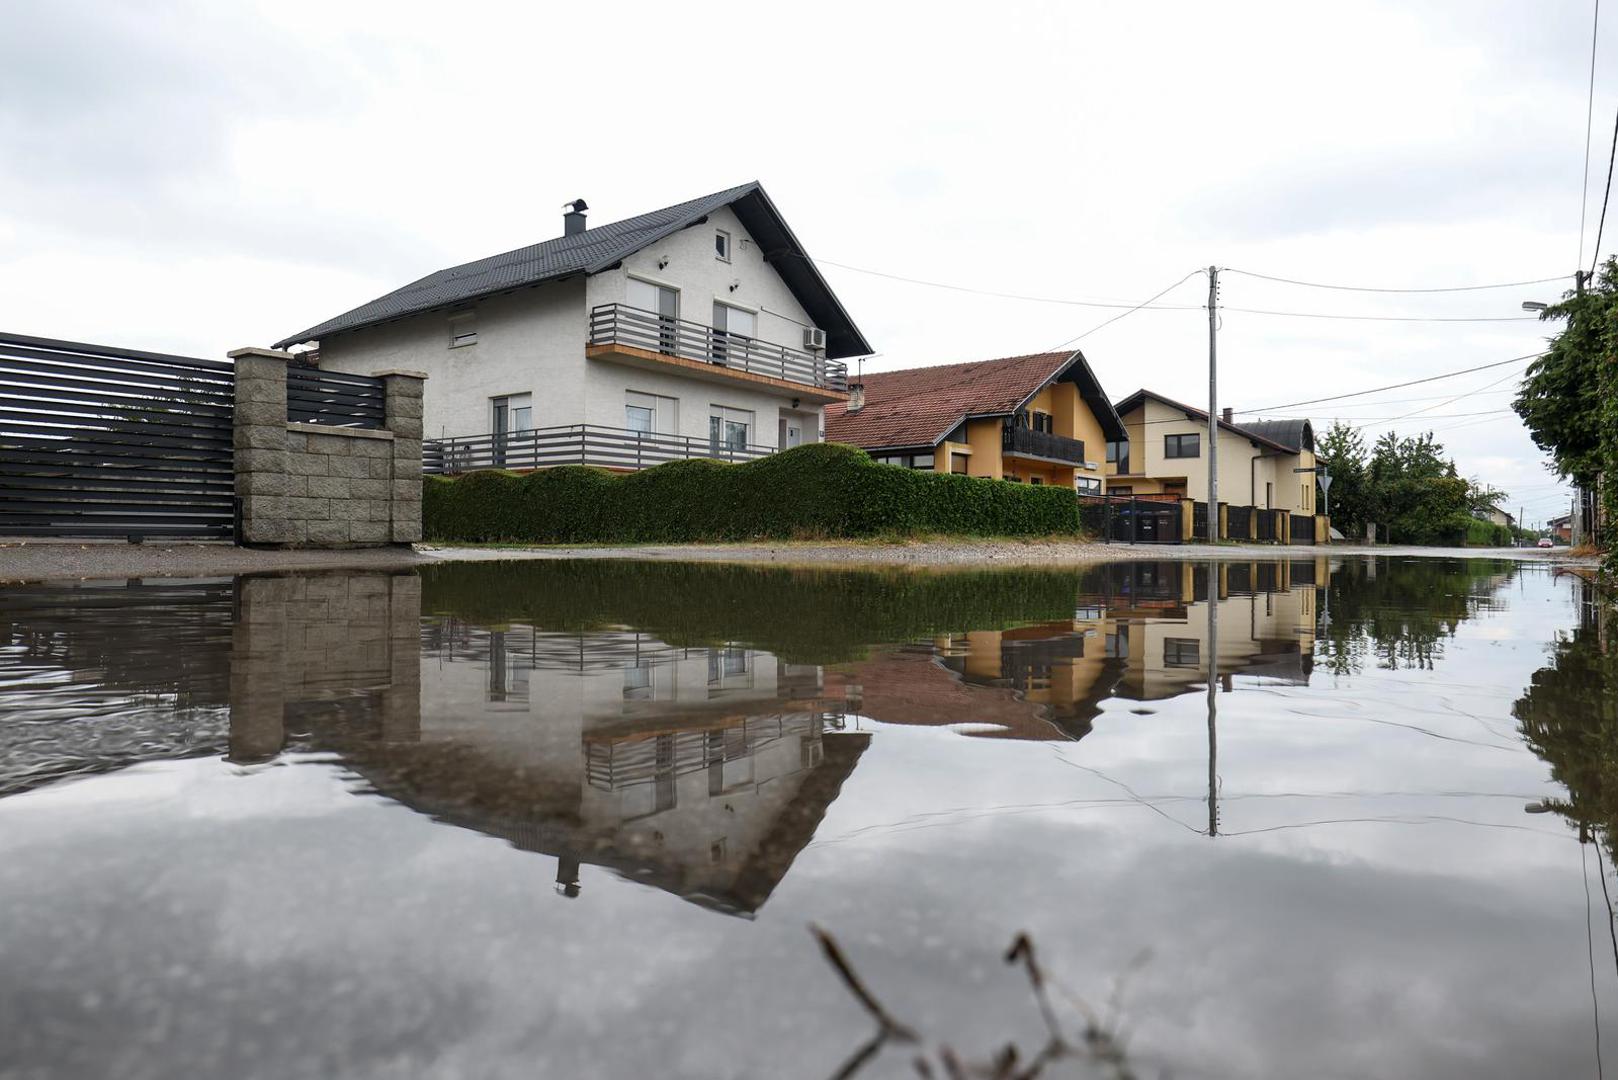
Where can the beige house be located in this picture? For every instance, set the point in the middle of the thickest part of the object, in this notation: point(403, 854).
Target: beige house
point(1259, 460)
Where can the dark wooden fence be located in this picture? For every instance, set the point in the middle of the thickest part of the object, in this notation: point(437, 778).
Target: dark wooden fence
point(1303, 528)
point(336, 398)
point(105, 442)
point(1121, 519)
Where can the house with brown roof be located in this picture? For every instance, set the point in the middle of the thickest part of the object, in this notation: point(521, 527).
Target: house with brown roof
point(1038, 419)
point(1259, 460)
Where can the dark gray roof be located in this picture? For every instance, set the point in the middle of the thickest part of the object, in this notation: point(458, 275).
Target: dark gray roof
point(1247, 431)
point(1295, 435)
point(604, 247)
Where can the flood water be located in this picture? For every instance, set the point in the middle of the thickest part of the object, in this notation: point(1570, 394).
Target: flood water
point(576, 819)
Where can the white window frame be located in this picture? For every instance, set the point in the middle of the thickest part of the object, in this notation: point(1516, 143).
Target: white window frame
point(665, 411)
point(463, 329)
point(727, 415)
point(513, 402)
point(722, 235)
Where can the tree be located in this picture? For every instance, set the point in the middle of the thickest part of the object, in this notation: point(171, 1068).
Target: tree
point(1342, 451)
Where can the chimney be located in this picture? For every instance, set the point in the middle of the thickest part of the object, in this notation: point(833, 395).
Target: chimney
point(1226, 415)
point(856, 396)
point(573, 220)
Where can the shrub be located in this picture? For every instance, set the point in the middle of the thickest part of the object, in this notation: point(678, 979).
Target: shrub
point(820, 490)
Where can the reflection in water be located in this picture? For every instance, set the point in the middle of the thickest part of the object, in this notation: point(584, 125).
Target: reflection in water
point(757, 743)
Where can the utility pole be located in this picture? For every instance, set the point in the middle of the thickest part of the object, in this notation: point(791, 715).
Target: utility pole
point(1213, 699)
point(1213, 404)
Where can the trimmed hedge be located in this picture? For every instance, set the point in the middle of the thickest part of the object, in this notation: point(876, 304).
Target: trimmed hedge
point(822, 490)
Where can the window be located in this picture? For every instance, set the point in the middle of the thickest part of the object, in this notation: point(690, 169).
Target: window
point(656, 300)
point(1087, 485)
point(1036, 479)
point(729, 429)
point(958, 463)
point(649, 414)
point(1118, 454)
point(1042, 421)
point(733, 329)
point(1182, 446)
point(721, 245)
point(1121, 489)
point(463, 329)
point(1269, 495)
point(513, 413)
point(1181, 652)
point(921, 461)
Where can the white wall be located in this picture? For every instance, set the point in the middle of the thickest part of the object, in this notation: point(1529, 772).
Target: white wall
point(532, 341)
point(1241, 480)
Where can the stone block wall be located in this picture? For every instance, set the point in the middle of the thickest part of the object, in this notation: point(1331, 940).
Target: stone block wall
point(315, 485)
point(324, 639)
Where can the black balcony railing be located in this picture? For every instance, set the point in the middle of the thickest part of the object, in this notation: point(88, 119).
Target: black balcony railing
point(576, 444)
point(620, 324)
point(1021, 440)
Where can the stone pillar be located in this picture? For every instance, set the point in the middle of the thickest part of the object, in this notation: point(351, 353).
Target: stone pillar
point(258, 653)
point(401, 701)
point(1224, 521)
point(402, 415)
point(260, 443)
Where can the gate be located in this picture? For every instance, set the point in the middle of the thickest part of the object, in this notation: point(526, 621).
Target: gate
point(105, 442)
point(1303, 529)
point(1199, 521)
point(1266, 524)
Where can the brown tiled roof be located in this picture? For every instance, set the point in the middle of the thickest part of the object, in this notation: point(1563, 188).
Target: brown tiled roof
point(919, 406)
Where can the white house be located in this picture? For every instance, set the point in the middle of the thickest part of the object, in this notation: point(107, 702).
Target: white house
point(701, 329)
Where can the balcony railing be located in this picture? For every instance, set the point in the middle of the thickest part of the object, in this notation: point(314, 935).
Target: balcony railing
point(620, 324)
point(576, 444)
point(1021, 440)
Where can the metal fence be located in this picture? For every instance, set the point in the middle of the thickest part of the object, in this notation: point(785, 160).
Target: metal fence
point(106, 442)
point(336, 398)
point(576, 444)
point(1303, 528)
point(1199, 521)
point(1238, 522)
point(620, 324)
point(1266, 525)
point(1124, 519)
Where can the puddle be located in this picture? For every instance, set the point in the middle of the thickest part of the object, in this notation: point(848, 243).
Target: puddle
point(517, 819)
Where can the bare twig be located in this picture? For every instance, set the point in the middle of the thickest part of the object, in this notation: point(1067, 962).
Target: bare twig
point(887, 1025)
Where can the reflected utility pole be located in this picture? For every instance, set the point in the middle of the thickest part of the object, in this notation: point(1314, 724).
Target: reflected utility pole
point(1213, 699)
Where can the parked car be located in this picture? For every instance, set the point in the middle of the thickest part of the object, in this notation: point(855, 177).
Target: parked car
point(1545, 541)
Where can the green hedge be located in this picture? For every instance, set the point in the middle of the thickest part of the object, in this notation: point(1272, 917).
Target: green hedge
point(818, 491)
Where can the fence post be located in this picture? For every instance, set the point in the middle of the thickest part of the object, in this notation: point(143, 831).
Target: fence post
point(259, 442)
point(401, 412)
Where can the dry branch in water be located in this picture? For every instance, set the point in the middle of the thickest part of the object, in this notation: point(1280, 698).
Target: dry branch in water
point(1099, 1046)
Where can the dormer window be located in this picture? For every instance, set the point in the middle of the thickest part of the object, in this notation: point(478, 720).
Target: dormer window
point(721, 245)
point(463, 329)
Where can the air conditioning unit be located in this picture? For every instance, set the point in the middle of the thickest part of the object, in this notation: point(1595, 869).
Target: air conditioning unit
point(814, 338)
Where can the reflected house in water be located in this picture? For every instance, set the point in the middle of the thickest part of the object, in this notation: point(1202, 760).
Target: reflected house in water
point(1139, 632)
point(702, 771)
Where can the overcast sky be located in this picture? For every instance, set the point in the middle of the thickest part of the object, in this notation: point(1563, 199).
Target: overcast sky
point(196, 177)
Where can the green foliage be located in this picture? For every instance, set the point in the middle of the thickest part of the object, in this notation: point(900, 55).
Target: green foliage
point(1398, 613)
point(803, 616)
point(821, 490)
point(1407, 487)
point(1569, 716)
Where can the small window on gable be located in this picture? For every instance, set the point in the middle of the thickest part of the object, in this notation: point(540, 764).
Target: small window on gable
point(721, 245)
point(463, 329)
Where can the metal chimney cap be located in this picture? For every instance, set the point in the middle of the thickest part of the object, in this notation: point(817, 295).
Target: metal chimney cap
point(578, 206)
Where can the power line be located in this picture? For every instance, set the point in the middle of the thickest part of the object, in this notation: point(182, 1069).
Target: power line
point(1391, 386)
point(1121, 314)
point(1595, 255)
point(1371, 289)
point(1589, 114)
point(1457, 397)
point(1386, 318)
point(1177, 307)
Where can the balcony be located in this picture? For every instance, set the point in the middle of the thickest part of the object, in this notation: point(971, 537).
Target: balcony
point(576, 444)
point(644, 339)
point(1042, 446)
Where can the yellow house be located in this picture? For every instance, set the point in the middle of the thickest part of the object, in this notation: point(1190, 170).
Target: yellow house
point(1266, 464)
point(1039, 419)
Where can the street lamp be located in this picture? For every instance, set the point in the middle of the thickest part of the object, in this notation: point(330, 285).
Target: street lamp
point(1534, 305)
